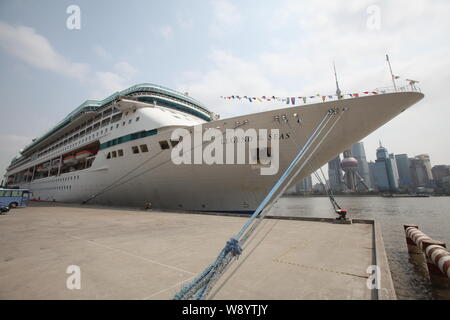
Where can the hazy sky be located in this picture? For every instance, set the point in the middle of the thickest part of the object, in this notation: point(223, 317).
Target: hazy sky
point(224, 47)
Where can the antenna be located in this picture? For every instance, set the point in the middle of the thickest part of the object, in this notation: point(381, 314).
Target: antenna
point(392, 75)
point(338, 91)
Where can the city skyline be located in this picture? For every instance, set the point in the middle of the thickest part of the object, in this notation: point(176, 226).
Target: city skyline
point(389, 172)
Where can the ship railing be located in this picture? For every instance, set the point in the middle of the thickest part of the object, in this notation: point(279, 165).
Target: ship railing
point(407, 88)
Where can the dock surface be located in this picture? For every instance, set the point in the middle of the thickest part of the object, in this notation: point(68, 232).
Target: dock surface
point(137, 254)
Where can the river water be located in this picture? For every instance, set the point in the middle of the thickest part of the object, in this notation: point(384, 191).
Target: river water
point(431, 214)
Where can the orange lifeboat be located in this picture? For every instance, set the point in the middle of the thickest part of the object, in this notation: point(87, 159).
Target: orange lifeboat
point(70, 160)
point(85, 154)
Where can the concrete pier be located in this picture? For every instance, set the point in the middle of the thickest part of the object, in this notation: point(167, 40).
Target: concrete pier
point(137, 254)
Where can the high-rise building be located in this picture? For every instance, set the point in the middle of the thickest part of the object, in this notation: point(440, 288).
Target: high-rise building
point(350, 167)
point(359, 154)
point(421, 170)
point(440, 171)
point(385, 171)
point(404, 172)
point(335, 174)
point(372, 175)
point(304, 186)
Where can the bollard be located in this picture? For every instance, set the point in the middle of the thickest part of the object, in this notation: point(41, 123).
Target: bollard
point(438, 262)
point(414, 238)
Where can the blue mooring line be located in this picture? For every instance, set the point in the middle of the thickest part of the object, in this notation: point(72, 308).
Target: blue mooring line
point(232, 246)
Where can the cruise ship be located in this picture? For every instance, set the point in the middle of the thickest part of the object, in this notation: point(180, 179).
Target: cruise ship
point(117, 151)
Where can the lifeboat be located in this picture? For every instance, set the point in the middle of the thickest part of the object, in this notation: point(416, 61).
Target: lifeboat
point(55, 164)
point(41, 169)
point(85, 154)
point(70, 160)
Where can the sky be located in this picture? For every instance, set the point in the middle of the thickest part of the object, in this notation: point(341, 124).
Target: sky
point(220, 48)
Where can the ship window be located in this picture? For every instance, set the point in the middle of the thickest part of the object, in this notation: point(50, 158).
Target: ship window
point(129, 121)
point(117, 125)
point(164, 144)
point(108, 156)
point(174, 142)
point(105, 122)
point(120, 153)
point(144, 148)
point(116, 117)
point(137, 119)
point(107, 112)
point(135, 149)
point(123, 123)
point(114, 154)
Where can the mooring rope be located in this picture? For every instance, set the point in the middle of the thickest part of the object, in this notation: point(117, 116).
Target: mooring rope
point(327, 187)
point(202, 284)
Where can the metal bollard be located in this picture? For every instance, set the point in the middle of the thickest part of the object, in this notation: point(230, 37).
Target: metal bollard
point(438, 262)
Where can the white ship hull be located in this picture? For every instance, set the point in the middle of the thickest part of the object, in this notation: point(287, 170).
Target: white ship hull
point(136, 179)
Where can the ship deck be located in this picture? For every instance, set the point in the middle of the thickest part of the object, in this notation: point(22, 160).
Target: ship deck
point(136, 254)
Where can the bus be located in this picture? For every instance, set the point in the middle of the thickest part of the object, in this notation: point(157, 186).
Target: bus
point(14, 198)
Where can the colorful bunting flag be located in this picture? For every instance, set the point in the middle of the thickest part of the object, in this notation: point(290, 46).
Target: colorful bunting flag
point(292, 100)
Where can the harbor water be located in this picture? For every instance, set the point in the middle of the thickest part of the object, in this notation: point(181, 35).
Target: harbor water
point(431, 214)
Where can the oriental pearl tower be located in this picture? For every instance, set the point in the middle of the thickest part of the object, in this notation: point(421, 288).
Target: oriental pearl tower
point(350, 167)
